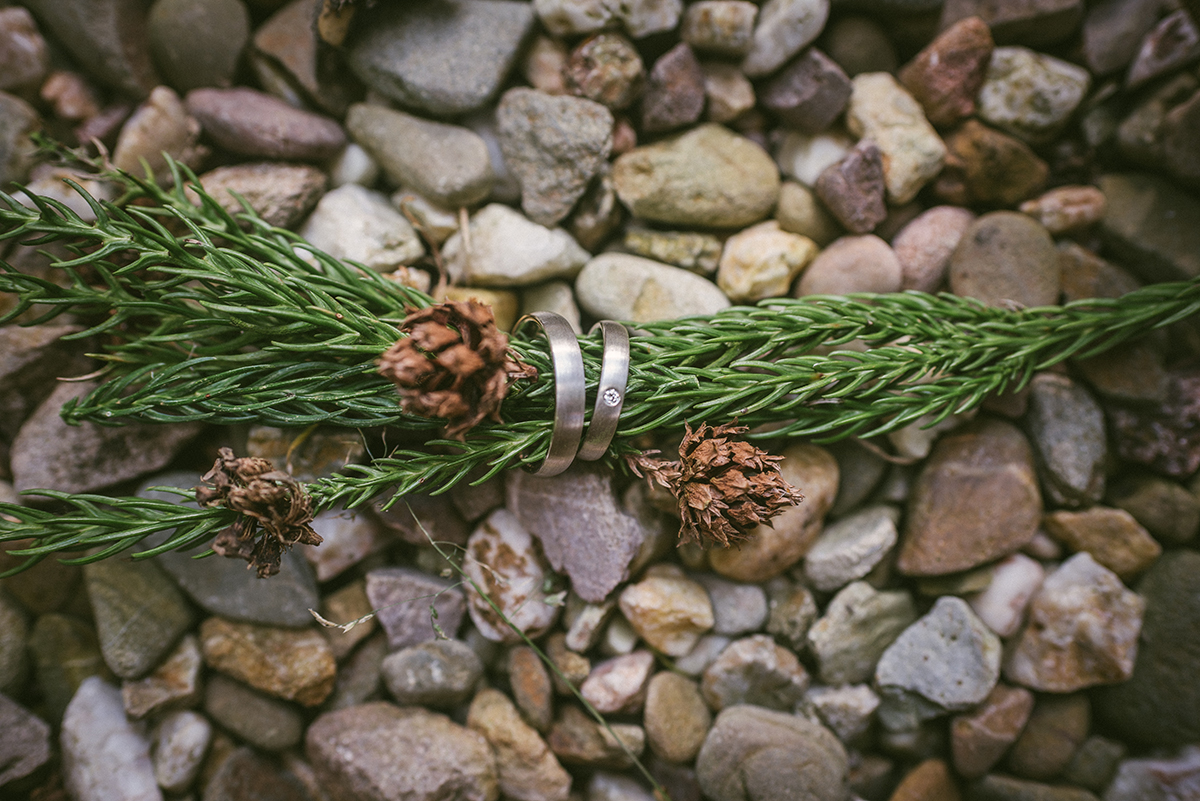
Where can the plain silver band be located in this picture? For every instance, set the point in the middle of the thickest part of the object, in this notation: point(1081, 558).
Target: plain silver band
point(569, 395)
point(610, 395)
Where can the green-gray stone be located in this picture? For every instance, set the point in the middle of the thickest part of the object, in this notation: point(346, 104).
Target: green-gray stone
point(140, 614)
point(65, 652)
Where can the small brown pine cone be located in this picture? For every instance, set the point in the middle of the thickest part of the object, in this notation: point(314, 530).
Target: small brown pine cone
point(725, 487)
point(454, 364)
point(274, 511)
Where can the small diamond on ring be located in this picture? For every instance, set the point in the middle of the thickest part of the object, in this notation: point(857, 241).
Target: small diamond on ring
point(611, 397)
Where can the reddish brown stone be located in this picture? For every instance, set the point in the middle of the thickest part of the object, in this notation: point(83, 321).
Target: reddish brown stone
point(809, 93)
point(853, 189)
point(980, 738)
point(1058, 726)
point(532, 689)
point(945, 77)
point(252, 123)
point(674, 91)
point(976, 500)
point(929, 781)
point(989, 168)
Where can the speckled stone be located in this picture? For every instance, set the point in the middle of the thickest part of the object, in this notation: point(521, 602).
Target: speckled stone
point(1031, 95)
point(985, 167)
point(674, 94)
point(359, 224)
point(724, 27)
point(554, 146)
point(606, 68)
point(946, 661)
point(1083, 630)
point(513, 578)
point(567, 17)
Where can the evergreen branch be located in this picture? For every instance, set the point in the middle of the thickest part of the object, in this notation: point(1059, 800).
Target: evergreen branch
point(208, 316)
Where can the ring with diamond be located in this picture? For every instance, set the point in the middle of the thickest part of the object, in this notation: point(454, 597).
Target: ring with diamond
point(610, 394)
point(569, 391)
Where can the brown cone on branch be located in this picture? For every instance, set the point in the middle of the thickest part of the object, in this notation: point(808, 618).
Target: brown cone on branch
point(274, 511)
point(725, 486)
point(454, 364)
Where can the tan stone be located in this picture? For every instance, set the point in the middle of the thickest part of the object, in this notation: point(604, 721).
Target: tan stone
point(1112, 536)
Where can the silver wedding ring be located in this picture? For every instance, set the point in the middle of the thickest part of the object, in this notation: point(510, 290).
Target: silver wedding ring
point(610, 395)
point(569, 398)
point(570, 391)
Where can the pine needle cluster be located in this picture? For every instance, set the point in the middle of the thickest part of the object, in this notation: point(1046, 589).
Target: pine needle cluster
point(210, 316)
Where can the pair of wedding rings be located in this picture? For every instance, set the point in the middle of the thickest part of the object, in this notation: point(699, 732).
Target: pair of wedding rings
point(570, 396)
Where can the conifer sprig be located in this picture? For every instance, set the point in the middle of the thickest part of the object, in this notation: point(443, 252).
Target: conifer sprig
point(204, 315)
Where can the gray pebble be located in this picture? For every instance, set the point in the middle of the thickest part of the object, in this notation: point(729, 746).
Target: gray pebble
point(442, 673)
point(784, 28)
point(139, 613)
point(946, 661)
point(198, 42)
point(851, 548)
point(1067, 431)
point(445, 58)
point(24, 741)
point(404, 596)
point(264, 722)
point(1030, 95)
point(737, 608)
point(448, 164)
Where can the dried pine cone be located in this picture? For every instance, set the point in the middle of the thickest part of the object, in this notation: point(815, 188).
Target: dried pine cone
point(454, 364)
point(265, 498)
point(725, 487)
